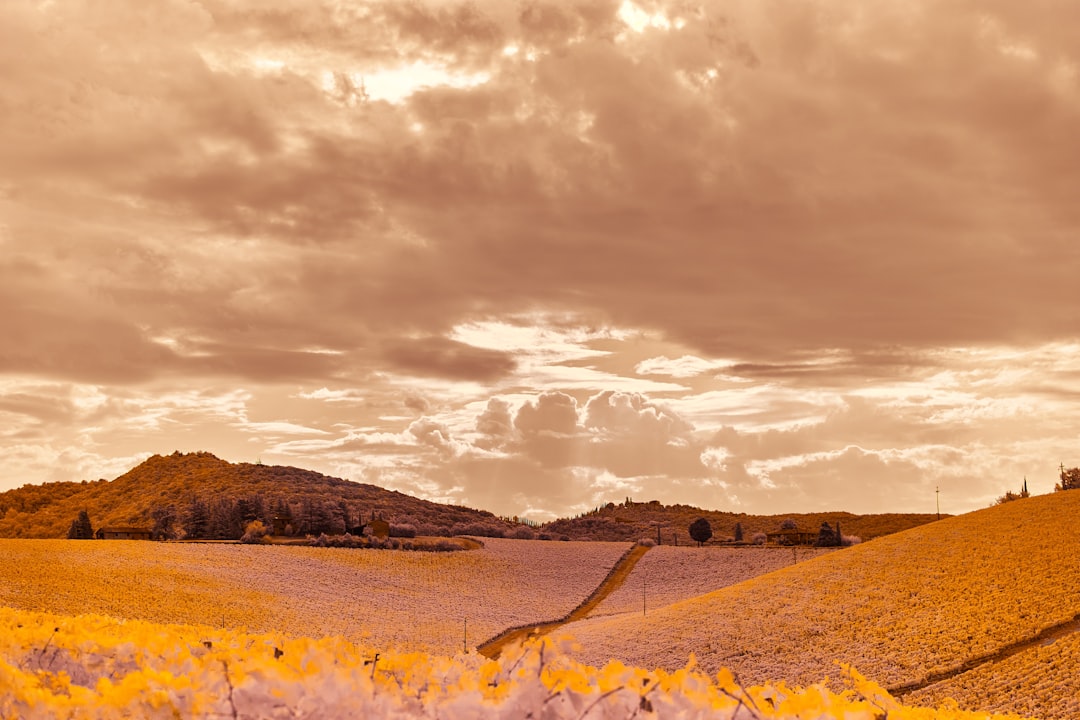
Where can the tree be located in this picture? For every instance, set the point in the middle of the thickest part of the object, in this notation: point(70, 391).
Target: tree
point(80, 527)
point(196, 519)
point(1009, 495)
point(827, 537)
point(701, 531)
point(1070, 479)
point(738, 532)
point(164, 522)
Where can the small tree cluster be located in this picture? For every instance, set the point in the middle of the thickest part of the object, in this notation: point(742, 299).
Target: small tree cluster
point(1009, 495)
point(828, 537)
point(1070, 479)
point(80, 528)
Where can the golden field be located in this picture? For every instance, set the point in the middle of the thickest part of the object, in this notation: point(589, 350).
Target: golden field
point(1041, 682)
point(900, 608)
point(670, 573)
point(415, 600)
point(117, 628)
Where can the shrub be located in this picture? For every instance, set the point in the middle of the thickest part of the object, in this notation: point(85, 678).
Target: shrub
point(404, 530)
point(523, 533)
point(759, 538)
point(849, 540)
point(254, 533)
point(479, 529)
point(429, 530)
point(788, 524)
point(647, 542)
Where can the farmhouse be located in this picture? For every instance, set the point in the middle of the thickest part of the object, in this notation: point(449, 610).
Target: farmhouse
point(123, 533)
point(282, 524)
point(791, 537)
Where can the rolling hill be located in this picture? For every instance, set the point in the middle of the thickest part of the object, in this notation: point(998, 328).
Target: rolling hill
point(177, 492)
point(631, 520)
point(902, 609)
point(201, 482)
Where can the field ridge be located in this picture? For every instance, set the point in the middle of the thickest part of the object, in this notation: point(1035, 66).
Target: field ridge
point(1006, 651)
point(614, 579)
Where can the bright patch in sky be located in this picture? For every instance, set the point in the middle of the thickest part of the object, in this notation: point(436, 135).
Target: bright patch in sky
point(638, 19)
point(396, 84)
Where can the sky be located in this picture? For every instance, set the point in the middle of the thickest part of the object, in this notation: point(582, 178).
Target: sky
point(750, 255)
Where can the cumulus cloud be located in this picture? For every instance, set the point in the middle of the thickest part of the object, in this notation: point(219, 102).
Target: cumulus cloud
point(604, 239)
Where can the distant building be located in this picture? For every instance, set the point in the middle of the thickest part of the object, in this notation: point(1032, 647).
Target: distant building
point(379, 528)
point(281, 524)
point(123, 533)
point(791, 537)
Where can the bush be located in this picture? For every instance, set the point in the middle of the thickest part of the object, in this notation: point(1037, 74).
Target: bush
point(523, 533)
point(646, 542)
point(479, 529)
point(429, 530)
point(849, 540)
point(404, 530)
point(254, 533)
point(759, 538)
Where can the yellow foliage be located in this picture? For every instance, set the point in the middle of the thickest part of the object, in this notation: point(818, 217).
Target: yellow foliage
point(91, 666)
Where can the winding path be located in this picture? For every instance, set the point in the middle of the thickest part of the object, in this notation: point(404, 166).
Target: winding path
point(1047, 636)
point(615, 578)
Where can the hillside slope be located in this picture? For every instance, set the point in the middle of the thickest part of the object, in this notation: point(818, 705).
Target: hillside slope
point(633, 520)
point(46, 511)
point(898, 608)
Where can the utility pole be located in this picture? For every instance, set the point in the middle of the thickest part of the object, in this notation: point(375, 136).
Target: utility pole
point(643, 594)
point(937, 493)
point(465, 642)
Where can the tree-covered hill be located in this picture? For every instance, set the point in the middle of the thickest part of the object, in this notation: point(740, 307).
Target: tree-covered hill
point(631, 520)
point(200, 495)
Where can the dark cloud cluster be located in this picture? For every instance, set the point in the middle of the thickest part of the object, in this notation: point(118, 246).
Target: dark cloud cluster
point(807, 204)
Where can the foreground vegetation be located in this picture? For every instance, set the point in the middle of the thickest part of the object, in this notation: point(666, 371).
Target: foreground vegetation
point(94, 667)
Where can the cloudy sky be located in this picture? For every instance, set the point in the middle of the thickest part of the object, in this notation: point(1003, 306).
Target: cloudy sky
point(532, 256)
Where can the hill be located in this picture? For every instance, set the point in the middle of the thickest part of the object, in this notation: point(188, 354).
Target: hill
point(633, 520)
point(902, 608)
point(200, 495)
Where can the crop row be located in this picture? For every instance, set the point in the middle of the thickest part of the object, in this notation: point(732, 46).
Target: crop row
point(1041, 681)
point(95, 667)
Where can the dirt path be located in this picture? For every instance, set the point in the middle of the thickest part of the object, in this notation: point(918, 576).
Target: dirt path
point(612, 582)
point(1045, 637)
